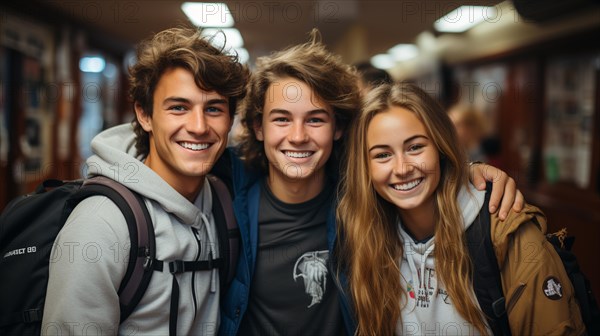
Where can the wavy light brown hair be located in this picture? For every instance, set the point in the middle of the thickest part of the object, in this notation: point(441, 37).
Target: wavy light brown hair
point(185, 48)
point(333, 81)
point(371, 248)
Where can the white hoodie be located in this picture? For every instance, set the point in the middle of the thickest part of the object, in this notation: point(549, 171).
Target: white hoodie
point(91, 252)
point(427, 308)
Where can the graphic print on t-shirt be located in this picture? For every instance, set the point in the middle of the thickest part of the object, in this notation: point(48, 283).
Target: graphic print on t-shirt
point(312, 268)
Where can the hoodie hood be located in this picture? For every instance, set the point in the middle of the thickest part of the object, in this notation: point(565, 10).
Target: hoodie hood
point(183, 231)
point(116, 157)
point(470, 201)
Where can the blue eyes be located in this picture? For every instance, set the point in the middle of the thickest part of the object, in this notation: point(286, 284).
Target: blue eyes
point(180, 108)
point(415, 147)
point(309, 121)
point(183, 108)
point(383, 155)
point(212, 109)
point(412, 149)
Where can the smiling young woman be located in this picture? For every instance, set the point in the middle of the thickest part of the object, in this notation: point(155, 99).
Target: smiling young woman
point(403, 213)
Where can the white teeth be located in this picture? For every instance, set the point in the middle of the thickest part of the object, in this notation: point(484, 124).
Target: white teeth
point(298, 154)
point(408, 185)
point(194, 146)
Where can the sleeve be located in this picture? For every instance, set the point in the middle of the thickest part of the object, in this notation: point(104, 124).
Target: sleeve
point(539, 296)
point(87, 264)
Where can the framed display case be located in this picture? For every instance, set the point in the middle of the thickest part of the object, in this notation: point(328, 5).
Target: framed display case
point(570, 100)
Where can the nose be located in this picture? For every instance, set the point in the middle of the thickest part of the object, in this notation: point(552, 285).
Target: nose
point(196, 123)
point(402, 166)
point(298, 133)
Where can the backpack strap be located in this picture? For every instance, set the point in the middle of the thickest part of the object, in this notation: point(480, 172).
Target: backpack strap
point(229, 234)
point(487, 283)
point(177, 267)
point(141, 232)
point(588, 307)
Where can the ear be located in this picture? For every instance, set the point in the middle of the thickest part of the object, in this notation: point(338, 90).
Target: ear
point(338, 134)
point(143, 119)
point(258, 130)
point(231, 121)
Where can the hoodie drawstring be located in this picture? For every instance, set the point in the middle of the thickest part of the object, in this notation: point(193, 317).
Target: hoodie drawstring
point(418, 276)
point(212, 253)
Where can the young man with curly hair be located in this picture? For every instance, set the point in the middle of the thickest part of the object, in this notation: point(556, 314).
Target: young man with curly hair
point(185, 93)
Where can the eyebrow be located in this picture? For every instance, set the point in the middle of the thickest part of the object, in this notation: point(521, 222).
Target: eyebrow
point(214, 101)
point(176, 100)
point(405, 141)
point(286, 112)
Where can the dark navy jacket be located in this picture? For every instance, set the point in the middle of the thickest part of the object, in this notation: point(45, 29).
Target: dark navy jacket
point(246, 188)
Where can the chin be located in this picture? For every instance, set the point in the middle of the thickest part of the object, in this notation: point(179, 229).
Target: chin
point(197, 172)
point(293, 173)
point(402, 204)
point(297, 177)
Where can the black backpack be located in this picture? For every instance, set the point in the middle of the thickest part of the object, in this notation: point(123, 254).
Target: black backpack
point(29, 225)
point(487, 282)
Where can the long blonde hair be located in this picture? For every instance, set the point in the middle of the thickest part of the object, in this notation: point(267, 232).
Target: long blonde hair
point(370, 248)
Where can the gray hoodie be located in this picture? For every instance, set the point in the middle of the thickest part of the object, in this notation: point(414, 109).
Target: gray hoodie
point(90, 254)
point(427, 307)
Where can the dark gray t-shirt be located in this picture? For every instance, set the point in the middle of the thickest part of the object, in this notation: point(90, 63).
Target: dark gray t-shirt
point(292, 292)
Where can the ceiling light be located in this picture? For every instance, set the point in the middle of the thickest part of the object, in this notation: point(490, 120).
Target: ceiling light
point(227, 37)
point(403, 52)
point(383, 61)
point(110, 71)
point(464, 17)
point(92, 64)
point(208, 14)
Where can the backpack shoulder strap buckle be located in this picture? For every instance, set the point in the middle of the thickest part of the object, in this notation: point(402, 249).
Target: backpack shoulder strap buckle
point(176, 266)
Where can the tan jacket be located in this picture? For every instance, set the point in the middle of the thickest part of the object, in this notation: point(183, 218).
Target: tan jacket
point(539, 296)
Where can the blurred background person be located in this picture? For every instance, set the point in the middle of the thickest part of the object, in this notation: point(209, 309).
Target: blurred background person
point(370, 77)
point(470, 127)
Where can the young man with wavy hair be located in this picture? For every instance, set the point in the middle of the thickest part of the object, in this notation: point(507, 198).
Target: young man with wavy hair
point(300, 104)
point(184, 93)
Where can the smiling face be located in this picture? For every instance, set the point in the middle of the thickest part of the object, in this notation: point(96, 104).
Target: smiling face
point(403, 160)
point(188, 130)
point(298, 130)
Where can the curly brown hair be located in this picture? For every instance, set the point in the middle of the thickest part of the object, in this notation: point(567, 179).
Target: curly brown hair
point(333, 81)
point(186, 48)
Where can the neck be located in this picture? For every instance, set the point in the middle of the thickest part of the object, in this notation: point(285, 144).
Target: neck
point(420, 221)
point(188, 188)
point(294, 190)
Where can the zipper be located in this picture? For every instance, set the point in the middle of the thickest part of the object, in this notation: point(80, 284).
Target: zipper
point(197, 236)
point(515, 297)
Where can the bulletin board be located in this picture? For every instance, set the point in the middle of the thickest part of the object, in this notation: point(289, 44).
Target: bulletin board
point(570, 101)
